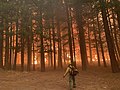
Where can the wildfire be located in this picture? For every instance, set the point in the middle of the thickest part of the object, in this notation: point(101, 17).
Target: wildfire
point(35, 60)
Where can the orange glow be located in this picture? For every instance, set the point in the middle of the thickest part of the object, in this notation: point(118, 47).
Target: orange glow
point(35, 60)
point(93, 60)
point(96, 57)
point(45, 60)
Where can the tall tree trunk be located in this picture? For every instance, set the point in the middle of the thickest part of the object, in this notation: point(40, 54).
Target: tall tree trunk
point(22, 51)
point(33, 56)
point(69, 32)
point(51, 58)
point(78, 12)
point(114, 64)
point(59, 46)
point(16, 47)
point(42, 45)
point(6, 45)
point(54, 48)
point(1, 43)
point(64, 55)
point(90, 48)
point(11, 49)
point(96, 44)
point(29, 50)
point(101, 44)
point(72, 36)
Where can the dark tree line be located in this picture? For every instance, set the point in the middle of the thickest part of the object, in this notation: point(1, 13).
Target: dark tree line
point(51, 33)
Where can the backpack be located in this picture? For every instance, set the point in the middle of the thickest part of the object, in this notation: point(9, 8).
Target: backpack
point(73, 71)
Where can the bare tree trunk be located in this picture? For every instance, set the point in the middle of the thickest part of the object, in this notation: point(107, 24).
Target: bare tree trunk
point(90, 48)
point(73, 40)
point(64, 55)
point(54, 48)
point(51, 58)
point(69, 32)
point(22, 51)
point(42, 45)
point(96, 44)
point(6, 45)
point(1, 43)
point(33, 57)
point(11, 48)
point(29, 52)
point(101, 44)
point(78, 10)
point(59, 46)
point(16, 47)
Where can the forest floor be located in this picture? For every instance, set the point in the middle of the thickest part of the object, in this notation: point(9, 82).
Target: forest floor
point(95, 78)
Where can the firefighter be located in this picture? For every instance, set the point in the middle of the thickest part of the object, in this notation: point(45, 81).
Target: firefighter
point(71, 76)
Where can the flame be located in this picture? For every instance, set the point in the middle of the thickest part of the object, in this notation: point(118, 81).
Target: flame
point(35, 62)
point(93, 60)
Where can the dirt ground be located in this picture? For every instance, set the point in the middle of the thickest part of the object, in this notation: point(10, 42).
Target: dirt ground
point(93, 79)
